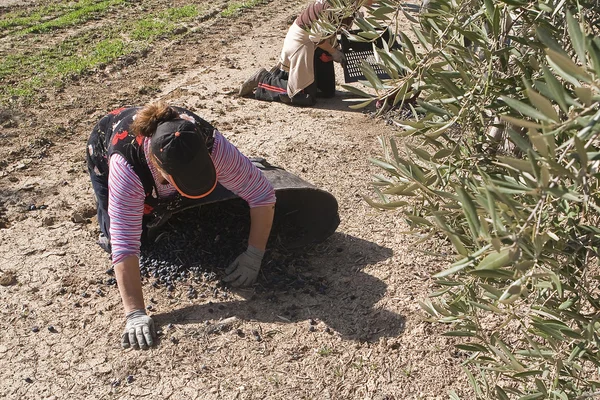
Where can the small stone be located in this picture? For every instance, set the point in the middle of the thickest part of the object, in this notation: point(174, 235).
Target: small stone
point(52, 329)
point(149, 307)
point(312, 328)
point(85, 295)
point(130, 378)
point(312, 321)
point(170, 326)
point(35, 329)
point(42, 207)
point(174, 340)
point(28, 380)
point(116, 383)
point(328, 330)
point(32, 207)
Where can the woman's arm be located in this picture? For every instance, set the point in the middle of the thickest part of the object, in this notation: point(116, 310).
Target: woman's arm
point(126, 209)
point(261, 220)
point(127, 272)
point(236, 173)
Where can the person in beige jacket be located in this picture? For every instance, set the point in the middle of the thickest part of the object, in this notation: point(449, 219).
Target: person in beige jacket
point(305, 70)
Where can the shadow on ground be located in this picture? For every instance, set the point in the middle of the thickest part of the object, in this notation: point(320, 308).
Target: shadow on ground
point(324, 283)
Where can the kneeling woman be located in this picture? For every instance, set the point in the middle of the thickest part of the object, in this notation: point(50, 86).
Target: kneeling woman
point(141, 160)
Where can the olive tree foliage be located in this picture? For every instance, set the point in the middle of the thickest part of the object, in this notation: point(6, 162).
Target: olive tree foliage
point(501, 155)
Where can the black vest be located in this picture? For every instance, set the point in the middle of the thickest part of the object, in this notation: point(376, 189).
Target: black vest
point(119, 139)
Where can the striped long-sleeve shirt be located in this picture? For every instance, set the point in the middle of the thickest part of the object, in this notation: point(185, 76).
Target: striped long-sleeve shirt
point(126, 192)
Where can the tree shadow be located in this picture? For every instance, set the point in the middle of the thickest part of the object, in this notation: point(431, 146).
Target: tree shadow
point(342, 102)
point(323, 282)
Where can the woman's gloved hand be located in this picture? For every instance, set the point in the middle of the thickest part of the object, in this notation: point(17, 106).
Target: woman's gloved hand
point(338, 56)
point(243, 271)
point(139, 330)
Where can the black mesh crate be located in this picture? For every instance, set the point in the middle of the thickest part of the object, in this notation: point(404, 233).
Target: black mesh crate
point(356, 52)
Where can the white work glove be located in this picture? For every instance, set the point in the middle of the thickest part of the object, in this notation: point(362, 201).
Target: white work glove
point(139, 330)
point(338, 56)
point(244, 269)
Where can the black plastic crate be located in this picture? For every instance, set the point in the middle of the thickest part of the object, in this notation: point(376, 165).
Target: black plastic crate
point(356, 52)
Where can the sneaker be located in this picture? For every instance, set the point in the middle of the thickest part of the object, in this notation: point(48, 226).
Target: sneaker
point(251, 83)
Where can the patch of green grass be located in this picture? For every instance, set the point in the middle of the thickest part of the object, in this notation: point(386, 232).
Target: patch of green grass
point(71, 57)
point(163, 23)
point(104, 51)
point(85, 11)
point(237, 6)
point(22, 18)
point(55, 16)
point(75, 55)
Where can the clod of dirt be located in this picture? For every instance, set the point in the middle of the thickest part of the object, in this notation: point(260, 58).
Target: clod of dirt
point(78, 218)
point(47, 221)
point(8, 278)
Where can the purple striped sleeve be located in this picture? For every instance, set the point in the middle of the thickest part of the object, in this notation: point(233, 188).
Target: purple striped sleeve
point(237, 174)
point(125, 209)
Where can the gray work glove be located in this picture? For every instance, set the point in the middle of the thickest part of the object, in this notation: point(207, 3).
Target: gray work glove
point(338, 56)
point(244, 269)
point(139, 330)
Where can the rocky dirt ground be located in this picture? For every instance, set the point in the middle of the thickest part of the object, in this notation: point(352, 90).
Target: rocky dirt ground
point(351, 329)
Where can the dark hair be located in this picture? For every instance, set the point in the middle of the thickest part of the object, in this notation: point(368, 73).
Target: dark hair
point(148, 118)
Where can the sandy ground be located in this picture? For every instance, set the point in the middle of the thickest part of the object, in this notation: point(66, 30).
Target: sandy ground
point(362, 337)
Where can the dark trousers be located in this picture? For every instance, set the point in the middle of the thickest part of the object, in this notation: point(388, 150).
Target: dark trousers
point(273, 87)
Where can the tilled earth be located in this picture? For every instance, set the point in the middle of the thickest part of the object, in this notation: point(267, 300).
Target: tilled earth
point(334, 320)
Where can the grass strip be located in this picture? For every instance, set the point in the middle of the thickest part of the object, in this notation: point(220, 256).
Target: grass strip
point(163, 23)
point(78, 54)
point(237, 6)
point(28, 18)
point(54, 16)
point(87, 10)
